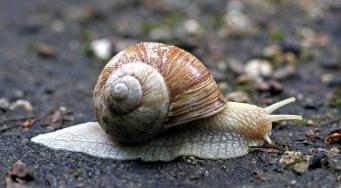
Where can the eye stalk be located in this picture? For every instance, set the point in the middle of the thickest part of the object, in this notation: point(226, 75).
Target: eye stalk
point(273, 118)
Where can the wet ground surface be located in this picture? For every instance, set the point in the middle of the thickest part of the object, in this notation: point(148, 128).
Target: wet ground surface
point(45, 60)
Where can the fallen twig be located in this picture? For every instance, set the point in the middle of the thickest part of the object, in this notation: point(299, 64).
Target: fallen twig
point(21, 118)
point(269, 149)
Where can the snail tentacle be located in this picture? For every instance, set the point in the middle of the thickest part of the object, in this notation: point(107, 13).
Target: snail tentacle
point(267, 139)
point(273, 118)
point(279, 104)
point(281, 117)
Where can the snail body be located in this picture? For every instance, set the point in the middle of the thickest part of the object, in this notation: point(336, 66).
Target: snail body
point(156, 102)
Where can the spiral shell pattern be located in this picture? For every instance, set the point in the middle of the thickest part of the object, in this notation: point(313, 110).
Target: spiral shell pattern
point(150, 87)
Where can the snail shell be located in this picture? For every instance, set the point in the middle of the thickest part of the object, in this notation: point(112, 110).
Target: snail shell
point(150, 87)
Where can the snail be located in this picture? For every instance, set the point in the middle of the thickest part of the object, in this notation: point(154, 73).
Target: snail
point(156, 102)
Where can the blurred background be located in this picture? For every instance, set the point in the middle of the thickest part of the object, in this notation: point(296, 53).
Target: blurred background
point(243, 43)
point(259, 51)
point(246, 44)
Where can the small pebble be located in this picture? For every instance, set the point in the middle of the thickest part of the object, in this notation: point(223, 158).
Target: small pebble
point(301, 167)
point(4, 104)
point(191, 160)
point(101, 48)
point(234, 18)
point(298, 162)
point(289, 157)
point(258, 68)
point(192, 27)
point(335, 150)
point(331, 80)
point(238, 96)
point(26, 105)
point(235, 65)
point(284, 72)
point(261, 85)
point(244, 79)
point(310, 122)
point(271, 51)
point(46, 51)
point(312, 133)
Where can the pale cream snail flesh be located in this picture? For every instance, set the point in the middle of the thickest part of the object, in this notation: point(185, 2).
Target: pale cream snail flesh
point(156, 102)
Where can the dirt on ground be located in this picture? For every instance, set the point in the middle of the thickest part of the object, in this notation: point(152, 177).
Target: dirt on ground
point(258, 52)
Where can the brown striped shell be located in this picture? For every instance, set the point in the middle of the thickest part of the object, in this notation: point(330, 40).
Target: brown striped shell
point(149, 87)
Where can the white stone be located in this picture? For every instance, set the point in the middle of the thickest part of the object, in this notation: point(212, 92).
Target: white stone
point(101, 48)
point(191, 26)
point(258, 68)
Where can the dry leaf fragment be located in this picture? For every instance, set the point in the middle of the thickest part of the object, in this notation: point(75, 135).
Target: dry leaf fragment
point(333, 136)
point(297, 161)
point(27, 123)
point(261, 175)
point(46, 51)
point(57, 117)
point(269, 149)
point(18, 175)
point(300, 167)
